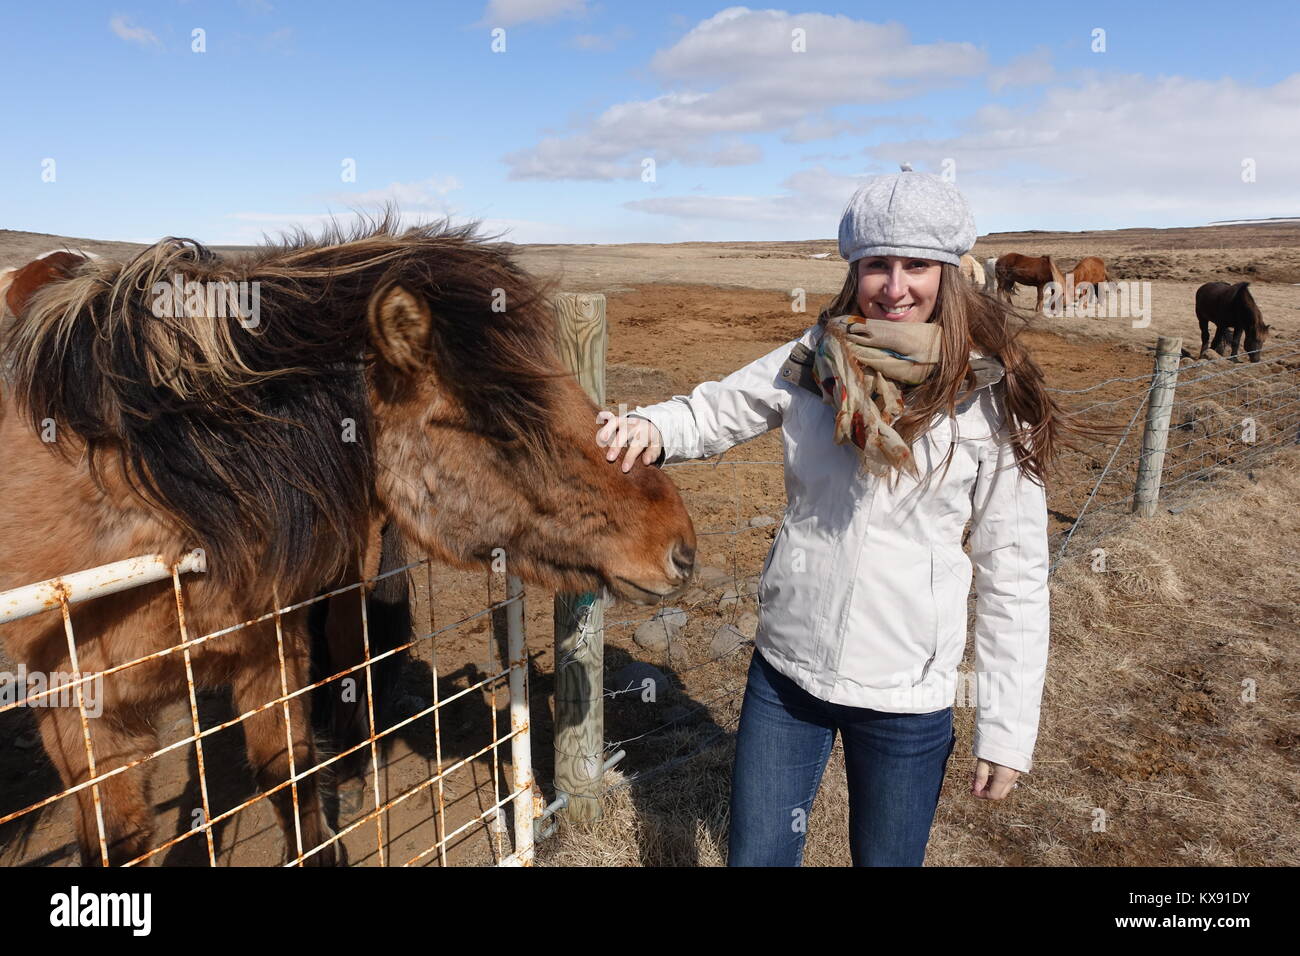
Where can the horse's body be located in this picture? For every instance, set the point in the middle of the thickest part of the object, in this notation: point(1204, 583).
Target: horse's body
point(972, 271)
point(1234, 313)
point(1088, 273)
point(379, 385)
point(1037, 271)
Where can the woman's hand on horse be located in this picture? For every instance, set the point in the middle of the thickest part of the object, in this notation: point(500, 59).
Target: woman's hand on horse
point(637, 435)
point(1001, 784)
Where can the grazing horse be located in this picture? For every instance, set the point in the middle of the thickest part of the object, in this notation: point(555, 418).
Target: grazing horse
point(1233, 311)
point(1088, 273)
point(391, 376)
point(1013, 268)
point(972, 271)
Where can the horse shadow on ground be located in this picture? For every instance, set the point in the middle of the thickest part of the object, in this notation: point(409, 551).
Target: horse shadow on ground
point(678, 764)
point(27, 777)
point(659, 725)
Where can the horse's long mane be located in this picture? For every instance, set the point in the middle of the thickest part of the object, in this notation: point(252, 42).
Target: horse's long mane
point(1256, 318)
point(256, 440)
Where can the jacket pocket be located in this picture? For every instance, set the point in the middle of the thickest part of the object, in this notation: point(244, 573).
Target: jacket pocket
point(891, 628)
point(950, 588)
point(763, 579)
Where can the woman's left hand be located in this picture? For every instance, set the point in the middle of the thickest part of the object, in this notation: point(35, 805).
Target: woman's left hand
point(992, 780)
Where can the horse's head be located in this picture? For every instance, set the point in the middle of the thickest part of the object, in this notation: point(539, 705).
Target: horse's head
point(1256, 330)
point(485, 448)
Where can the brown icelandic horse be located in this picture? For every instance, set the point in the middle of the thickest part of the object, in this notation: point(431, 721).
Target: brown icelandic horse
point(1088, 274)
point(1234, 313)
point(1013, 269)
point(380, 382)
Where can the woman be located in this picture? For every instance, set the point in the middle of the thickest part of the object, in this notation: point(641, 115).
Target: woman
point(862, 599)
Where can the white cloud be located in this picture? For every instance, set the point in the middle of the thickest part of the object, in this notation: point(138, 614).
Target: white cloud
point(124, 29)
point(1125, 150)
point(825, 126)
point(425, 194)
point(253, 228)
point(757, 83)
point(508, 13)
point(813, 203)
point(418, 201)
point(601, 41)
point(1107, 152)
point(1033, 67)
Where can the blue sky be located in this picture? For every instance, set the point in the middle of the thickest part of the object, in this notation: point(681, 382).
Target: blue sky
point(1189, 114)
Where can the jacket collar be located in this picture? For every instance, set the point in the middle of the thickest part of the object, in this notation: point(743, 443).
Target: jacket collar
point(985, 370)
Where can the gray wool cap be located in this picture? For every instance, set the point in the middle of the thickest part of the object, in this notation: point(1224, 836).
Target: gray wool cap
point(907, 214)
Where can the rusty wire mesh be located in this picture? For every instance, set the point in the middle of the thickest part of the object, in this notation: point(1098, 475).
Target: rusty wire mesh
point(431, 811)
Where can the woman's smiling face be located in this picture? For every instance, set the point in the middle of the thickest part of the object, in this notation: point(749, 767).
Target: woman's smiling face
point(898, 288)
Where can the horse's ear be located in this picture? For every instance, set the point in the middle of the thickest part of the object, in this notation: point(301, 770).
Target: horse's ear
point(400, 325)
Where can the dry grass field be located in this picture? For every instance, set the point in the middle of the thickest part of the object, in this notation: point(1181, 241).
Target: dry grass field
point(1170, 718)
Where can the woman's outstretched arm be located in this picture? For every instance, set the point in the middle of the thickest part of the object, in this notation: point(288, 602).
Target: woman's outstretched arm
point(718, 415)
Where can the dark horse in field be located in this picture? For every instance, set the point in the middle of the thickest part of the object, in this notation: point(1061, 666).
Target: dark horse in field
point(1234, 313)
point(1037, 271)
point(381, 384)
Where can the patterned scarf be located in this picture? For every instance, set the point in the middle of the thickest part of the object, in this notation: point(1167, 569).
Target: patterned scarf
point(859, 364)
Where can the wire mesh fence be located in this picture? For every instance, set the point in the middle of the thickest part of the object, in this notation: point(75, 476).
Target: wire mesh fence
point(1225, 414)
point(423, 779)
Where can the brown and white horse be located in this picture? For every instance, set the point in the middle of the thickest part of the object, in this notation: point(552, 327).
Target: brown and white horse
point(1037, 271)
point(383, 381)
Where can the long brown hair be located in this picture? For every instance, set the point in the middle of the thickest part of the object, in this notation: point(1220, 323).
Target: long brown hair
point(1040, 428)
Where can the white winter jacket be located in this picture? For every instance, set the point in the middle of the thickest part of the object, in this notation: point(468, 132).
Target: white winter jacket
point(862, 598)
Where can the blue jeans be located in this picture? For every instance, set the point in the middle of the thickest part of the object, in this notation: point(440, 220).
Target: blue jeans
point(895, 765)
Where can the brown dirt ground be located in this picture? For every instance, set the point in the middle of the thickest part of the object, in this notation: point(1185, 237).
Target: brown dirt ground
point(686, 313)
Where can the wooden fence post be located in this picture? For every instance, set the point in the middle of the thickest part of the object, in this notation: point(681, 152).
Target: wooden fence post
point(581, 336)
point(1146, 493)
